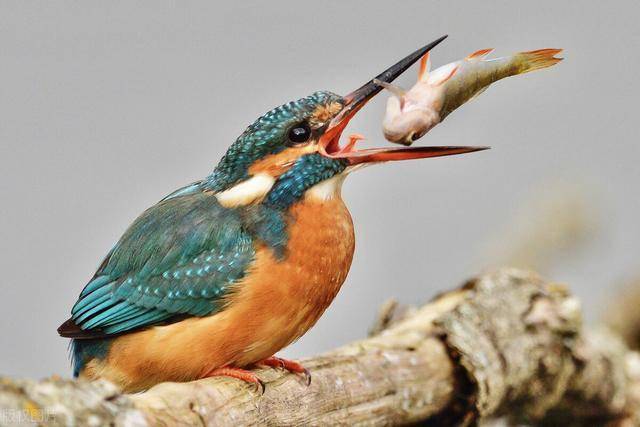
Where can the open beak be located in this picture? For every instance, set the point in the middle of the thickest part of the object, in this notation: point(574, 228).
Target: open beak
point(330, 140)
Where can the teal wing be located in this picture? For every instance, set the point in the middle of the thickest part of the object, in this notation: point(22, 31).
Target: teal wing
point(179, 258)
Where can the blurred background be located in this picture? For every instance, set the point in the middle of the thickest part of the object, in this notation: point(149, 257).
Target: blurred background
point(105, 107)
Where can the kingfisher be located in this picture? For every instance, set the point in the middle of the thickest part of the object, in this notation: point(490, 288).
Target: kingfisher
point(220, 275)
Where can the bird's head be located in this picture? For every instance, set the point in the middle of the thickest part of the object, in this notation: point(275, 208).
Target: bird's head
point(296, 146)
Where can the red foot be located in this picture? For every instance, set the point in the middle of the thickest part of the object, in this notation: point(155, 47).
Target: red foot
point(241, 374)
point(289, 365)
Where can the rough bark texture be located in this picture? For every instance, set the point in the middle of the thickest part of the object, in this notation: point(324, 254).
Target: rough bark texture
point(622, 314)
point(506, 345)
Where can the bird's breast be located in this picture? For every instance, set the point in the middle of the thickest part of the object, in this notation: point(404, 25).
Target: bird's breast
point(280, 299)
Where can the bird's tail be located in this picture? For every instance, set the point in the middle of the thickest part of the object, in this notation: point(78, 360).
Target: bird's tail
point(83, 350)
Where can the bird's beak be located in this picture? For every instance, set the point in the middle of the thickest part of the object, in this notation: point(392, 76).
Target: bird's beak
point(330, 140)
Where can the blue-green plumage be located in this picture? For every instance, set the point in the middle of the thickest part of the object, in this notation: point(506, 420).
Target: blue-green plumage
point(177, 258)
point(82, 350)
point(308, 171)
point(265, 136)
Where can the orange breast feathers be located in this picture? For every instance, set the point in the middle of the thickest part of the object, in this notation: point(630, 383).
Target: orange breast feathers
point(281, 300)
point(276, 303)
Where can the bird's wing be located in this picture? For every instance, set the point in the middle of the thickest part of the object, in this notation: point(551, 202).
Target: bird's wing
point(179, 258)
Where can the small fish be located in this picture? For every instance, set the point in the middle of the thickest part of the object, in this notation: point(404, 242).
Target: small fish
point(411, 114)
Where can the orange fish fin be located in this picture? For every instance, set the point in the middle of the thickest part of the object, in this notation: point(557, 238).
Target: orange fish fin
point(425, 67)
point(538, 59)
point(479, 54)
point(443, 76)
point(353, 139)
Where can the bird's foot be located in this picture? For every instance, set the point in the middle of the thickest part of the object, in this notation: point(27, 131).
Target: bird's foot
point(240, 374)
point(289, 365)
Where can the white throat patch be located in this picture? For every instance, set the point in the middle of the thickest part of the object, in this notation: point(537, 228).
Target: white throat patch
point(327, 189)
point(246, 192)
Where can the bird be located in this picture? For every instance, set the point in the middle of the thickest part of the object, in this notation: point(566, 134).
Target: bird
point(220, 275)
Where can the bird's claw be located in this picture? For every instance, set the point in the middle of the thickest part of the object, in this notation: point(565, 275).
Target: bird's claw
point(240, 374)
point(260, 387)
point(307, 376)
point(288, 365)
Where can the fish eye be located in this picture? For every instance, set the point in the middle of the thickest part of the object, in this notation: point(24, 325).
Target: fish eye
point(299, 133)
point(415, 136)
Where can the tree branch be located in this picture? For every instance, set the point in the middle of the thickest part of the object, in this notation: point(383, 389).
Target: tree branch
point(505, 344)
point(621, 313)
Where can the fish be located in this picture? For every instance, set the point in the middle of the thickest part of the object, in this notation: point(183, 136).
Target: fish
point(411, 114)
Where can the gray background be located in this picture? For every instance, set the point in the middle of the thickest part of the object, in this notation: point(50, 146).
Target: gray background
point(105, 107)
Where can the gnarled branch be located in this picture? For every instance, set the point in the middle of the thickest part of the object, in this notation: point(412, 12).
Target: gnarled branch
point(505, 344)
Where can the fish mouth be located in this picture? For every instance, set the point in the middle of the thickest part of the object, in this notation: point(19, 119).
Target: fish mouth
point(329, 144)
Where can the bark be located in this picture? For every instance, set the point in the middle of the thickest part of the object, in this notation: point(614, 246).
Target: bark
point(506, 344)
point(622, 314)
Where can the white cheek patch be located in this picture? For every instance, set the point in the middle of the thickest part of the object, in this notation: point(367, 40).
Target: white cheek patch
point(246, 192)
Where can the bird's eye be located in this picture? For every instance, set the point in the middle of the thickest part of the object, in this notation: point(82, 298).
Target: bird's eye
point(299, 133)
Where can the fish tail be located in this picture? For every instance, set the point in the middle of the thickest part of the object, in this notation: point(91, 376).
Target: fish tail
point(536, 59)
